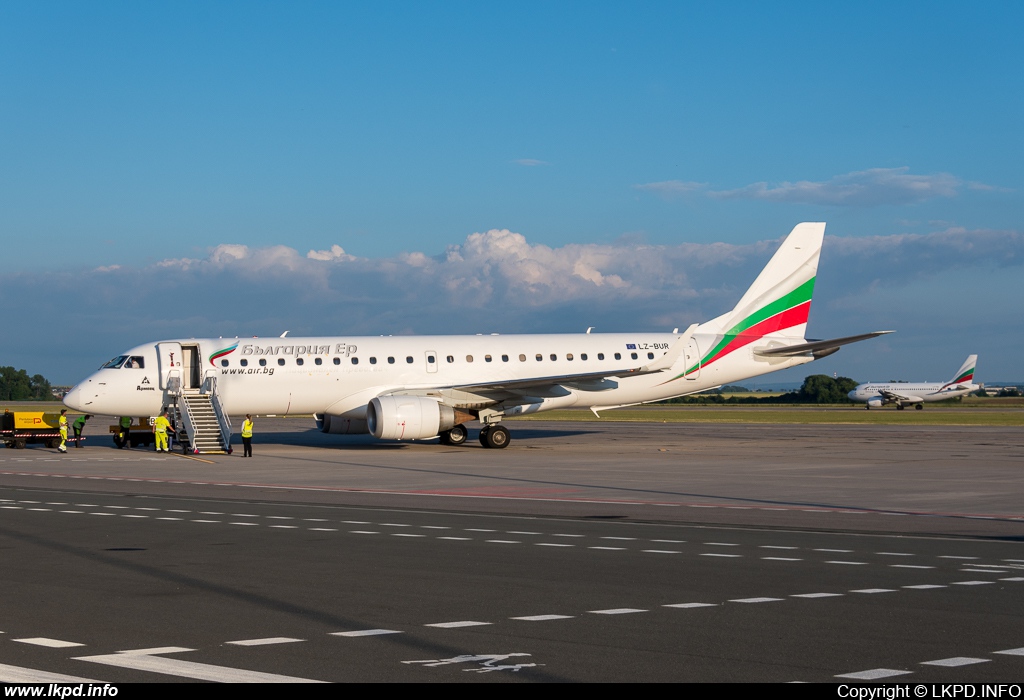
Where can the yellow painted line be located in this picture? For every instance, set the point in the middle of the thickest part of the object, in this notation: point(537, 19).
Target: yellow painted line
point(204, 461)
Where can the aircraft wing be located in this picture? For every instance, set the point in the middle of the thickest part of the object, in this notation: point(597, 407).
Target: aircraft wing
point(894, 396)
point(818, 348)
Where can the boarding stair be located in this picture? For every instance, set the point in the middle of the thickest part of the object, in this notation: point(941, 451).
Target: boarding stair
point(203, 425)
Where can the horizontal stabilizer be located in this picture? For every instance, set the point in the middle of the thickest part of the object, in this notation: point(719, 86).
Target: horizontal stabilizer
point(818, 347)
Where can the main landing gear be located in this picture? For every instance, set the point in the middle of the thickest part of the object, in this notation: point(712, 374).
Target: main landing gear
point(494, 436)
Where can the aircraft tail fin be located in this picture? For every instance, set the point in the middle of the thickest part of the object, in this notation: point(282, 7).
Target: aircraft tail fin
point(779, 300)
point(965, 375)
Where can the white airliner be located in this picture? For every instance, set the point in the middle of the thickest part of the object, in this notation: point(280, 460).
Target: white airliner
point(420, 387)
point(876, 394)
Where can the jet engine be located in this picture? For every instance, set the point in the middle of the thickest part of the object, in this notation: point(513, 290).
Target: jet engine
point(876, 402)
point(410, 417)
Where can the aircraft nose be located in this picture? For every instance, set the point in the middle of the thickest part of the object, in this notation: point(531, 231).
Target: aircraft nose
point(852, 394)
point(73, 399)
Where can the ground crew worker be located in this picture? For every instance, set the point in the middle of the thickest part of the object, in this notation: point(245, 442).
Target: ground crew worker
point(160, 426)
point(79, 426)
point(126, 433)
point(63, 423)
point(247, 436)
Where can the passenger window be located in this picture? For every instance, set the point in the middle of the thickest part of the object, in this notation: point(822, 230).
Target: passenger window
point(391, 360)
point(539, 357)
point(450, 359)
point(355, 360)
point(337, 361)
point(318, 361)
point(263, 363)
point(280, 361)
point(409, 359)
point(431, 359)
point(554, 357)
point(600, 355)
point(469, 358)
point(299, 361)
point(487, 358)
point(569, 357)
point(583, 356)
point(618, 356)
point(224, 363)
point(522, 358)
point(632, 355)
point(650, 356)
point(373, 360)
point(504, 358)
point(244, 363)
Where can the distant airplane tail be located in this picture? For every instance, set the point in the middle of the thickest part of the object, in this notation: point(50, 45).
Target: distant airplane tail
point(964, 375)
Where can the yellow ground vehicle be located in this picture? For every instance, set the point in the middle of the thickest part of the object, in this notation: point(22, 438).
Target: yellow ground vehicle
point(141, 433)
point(21, 428)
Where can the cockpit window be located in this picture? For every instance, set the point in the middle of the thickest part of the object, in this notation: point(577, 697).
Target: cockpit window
point(135, 362)
point(115, 363)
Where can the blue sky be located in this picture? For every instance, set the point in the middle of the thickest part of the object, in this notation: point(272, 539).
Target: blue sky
point(133, 135)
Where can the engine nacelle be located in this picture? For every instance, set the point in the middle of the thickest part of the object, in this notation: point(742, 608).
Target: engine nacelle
point(408, 417)
point(876, 402)
point(340, 425)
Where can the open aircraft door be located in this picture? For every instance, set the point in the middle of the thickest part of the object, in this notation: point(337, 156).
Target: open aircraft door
point(168, 360)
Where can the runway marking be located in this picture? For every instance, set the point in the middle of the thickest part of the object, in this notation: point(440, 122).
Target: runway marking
point(873, 674)
point(610, 549)
point(435, 527)
point(970, 583)
point(816, 595)
point(1013, 578)
point(195, 521)
point(363, 532)
point(406, 534)
point(691, 605)
point(365, 633)
point(925, 586)
point(670, 541)
point(628, 539)
point(850, 563)
point(285, 527)
point(616, 611)
point(196, 459)
point(47, 642)
point(542, 618)
point(558, 534)
point(910, 566)
point(1019, 651)
point(775, 546)
point(836, 551)
point(955, 661)
point(264, 641)
point(504, 541)
point(190, 669)
point(874, 590)
point(895, 554)
point(983, 571)
point(250, 524)
point(522, 532)
point(553, 544)
point(951, 556)
point(395, 525)
point(755, 600)
point(461, 623)
point(782, 558)
point(110, 514)
point(721, 544)
point(716, 554)
point(659, 551)
point(355, 522)
point(324, 529)
point(279, 517)
point(477, 529)
point(243, 515)
point(17, 674)
point(460, 539)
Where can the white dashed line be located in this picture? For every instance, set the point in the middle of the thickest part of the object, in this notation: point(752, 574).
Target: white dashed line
point(690, 605)
point(874, 590)
point(816, 595)
point(461, 623)
point(850, 563)
point(782, 559)
point(265, 640)
point(47, 642)
point(970, 583)
point(542, 618)
point(754, 600)
point(616, 611)
point(716, 554)
point(955, 661)
point(1011, 652)
point(874, 674)
point(609, 549)
point(365, 633)
point(924, 586)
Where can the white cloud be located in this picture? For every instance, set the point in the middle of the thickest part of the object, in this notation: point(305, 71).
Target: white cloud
point(335, 252)
point(873, 187)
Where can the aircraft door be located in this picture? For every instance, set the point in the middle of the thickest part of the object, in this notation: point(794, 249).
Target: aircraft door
point(431, 361)
point(168, 359)
point(191, 369)
point(693, 358)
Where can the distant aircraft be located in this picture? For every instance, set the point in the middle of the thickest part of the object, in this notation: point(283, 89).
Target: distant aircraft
point(421, 387)
point(876, 395)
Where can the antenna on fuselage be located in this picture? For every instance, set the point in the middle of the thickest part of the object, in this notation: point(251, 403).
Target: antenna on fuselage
point(590, 328)
point(284, 334)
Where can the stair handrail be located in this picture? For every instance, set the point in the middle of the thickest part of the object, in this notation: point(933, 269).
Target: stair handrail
point(188, 422)
point(174, 383)
point(223, 420)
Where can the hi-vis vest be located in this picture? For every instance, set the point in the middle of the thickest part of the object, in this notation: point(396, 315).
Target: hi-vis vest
point(247, 428)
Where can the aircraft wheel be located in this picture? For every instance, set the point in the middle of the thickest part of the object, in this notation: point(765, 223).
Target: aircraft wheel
point(498, 437)
point(918, 407)
point(899, 407)
point(483, 434)
point(456, 436)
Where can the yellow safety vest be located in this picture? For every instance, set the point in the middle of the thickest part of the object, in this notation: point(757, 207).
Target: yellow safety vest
point(161, 425)
point(247, 428)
